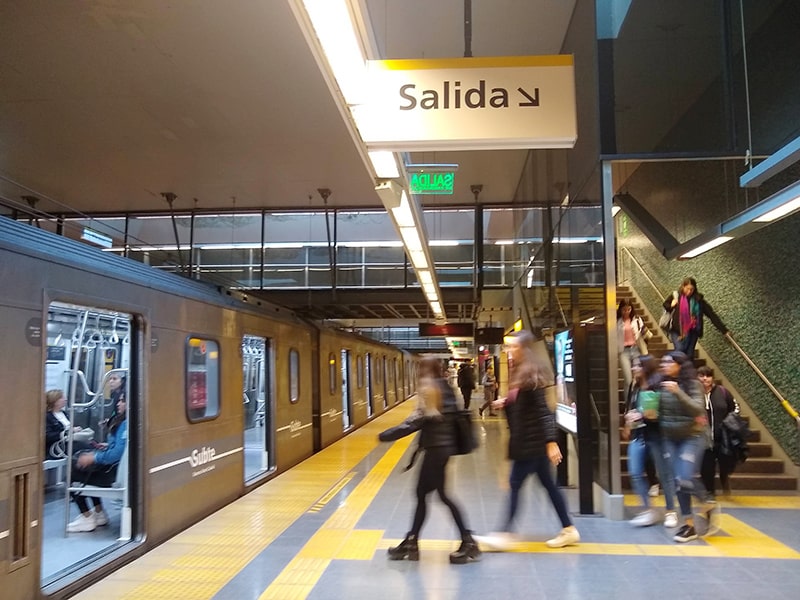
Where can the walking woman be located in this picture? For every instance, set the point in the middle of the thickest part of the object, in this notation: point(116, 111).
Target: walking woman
point(684, 429)
point(688, 307)
point(532, 445)
point(437, 440)
point(631, 335)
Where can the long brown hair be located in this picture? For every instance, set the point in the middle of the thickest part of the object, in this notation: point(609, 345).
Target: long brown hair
point(533, 370)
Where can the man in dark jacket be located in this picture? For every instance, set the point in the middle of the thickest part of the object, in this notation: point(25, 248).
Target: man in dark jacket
point(466, 383)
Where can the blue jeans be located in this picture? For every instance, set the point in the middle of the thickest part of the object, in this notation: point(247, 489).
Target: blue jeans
point(637, 455)
point(626, 357)
point(666, 475)
point(686, 456)
point(685, 345)
point(520, 469)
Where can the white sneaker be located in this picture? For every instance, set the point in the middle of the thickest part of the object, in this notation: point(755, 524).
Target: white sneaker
point(100, 518)
point(497, 541)
point(654, 491)
point(645, 519)
point(566, 537)
point(82, 524)
point(671, 519)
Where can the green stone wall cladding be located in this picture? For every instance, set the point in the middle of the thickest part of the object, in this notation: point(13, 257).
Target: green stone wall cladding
point(753, 284)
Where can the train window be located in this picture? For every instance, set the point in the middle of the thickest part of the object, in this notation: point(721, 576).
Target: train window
point(359, 371)
point(202, 379)
point(332, 372)
point(294, 376)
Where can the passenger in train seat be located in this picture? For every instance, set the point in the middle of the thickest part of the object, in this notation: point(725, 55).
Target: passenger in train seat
point(56, 424)
point(98, 466)
point(437, 440)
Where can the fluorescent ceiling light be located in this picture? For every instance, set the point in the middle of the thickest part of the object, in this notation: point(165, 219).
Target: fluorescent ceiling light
point(410, 236)
point(447, 243)
point(340, 42)
point(384, 164)
point(371, 244)
point(425, 277)
point(418, 259)
point(707, 246)
point(437, 308)
point(780, 212)
point(403, 213)
point(614, 210)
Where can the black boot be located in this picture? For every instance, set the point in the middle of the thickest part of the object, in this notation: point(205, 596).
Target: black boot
point(467, 551)
point(408, 548)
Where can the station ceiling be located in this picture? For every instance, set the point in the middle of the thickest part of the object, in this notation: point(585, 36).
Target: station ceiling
point(106, 105)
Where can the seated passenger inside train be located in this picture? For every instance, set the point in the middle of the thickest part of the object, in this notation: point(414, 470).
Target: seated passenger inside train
point(56, 425)
point(97, 464)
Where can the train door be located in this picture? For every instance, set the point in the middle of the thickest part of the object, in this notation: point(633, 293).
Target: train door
point(88, 379)
point(257, 405)
point(347, 398)
point(368, 379)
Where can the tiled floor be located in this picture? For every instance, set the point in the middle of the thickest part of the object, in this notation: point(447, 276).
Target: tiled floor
point(321, 531)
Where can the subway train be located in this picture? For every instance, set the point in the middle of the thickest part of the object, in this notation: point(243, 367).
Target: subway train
point(219, 394)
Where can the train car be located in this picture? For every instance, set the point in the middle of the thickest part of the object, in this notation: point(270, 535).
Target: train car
point(205, 396)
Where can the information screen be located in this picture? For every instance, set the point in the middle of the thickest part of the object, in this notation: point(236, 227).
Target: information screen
point(566, 414)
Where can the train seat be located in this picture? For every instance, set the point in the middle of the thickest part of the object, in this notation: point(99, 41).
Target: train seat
point(55, 463)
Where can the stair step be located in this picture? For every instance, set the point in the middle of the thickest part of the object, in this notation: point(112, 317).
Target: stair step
point(760, 472)
point(744, 481)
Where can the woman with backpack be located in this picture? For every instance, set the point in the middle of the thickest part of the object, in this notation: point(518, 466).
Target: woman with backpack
point(434, 419)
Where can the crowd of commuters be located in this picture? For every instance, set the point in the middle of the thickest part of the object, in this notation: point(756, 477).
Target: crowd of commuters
point(675, 419)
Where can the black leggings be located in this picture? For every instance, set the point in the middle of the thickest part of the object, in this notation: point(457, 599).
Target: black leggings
point(431, 477)
point(96, 475)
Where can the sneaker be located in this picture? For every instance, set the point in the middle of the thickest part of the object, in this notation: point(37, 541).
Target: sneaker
point(100, 518)
point(654, 491)
point(82, 524)
point(645, 519)
point(496, 541)
point(671, 519)
point(685, 534)
point(566, 537)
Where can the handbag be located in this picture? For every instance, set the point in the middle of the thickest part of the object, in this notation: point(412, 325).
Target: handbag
point(665, 320)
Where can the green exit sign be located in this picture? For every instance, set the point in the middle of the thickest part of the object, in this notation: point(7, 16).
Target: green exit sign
point(432, 183)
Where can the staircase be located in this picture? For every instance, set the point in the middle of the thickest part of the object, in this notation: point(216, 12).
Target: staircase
point(762, 471)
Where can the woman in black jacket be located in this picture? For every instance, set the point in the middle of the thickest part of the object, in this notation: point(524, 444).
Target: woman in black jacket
point(688, 307)
point(532, 445)
point(437, 438)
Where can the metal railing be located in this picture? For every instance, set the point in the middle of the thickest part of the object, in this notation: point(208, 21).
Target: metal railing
point(790, 410)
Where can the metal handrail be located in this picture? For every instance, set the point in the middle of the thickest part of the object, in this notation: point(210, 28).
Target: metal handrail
point(790, 410)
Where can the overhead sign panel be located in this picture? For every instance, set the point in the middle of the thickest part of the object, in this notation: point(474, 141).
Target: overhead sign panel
point(431, 183)
point(470, 104)
point(447, 330)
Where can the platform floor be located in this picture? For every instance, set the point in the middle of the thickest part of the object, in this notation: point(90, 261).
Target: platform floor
point(321, 530)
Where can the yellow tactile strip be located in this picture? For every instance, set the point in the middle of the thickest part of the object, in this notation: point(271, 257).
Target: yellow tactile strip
point(200, 561)
point(337, 537)
point(735, 540)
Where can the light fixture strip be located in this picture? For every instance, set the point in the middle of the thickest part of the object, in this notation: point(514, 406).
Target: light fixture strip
point(707, 246)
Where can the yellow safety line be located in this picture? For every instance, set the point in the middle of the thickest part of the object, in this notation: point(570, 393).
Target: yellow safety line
point(200, 561)
point(337, 537)
point(322, 502)
point(735, 540)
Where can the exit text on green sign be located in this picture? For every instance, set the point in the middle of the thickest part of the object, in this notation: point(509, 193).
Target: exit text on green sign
point(432, 183)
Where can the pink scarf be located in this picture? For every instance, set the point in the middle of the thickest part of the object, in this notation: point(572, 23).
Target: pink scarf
point(687, 310)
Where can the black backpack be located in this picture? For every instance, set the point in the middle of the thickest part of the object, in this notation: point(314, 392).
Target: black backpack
point(466, 436)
